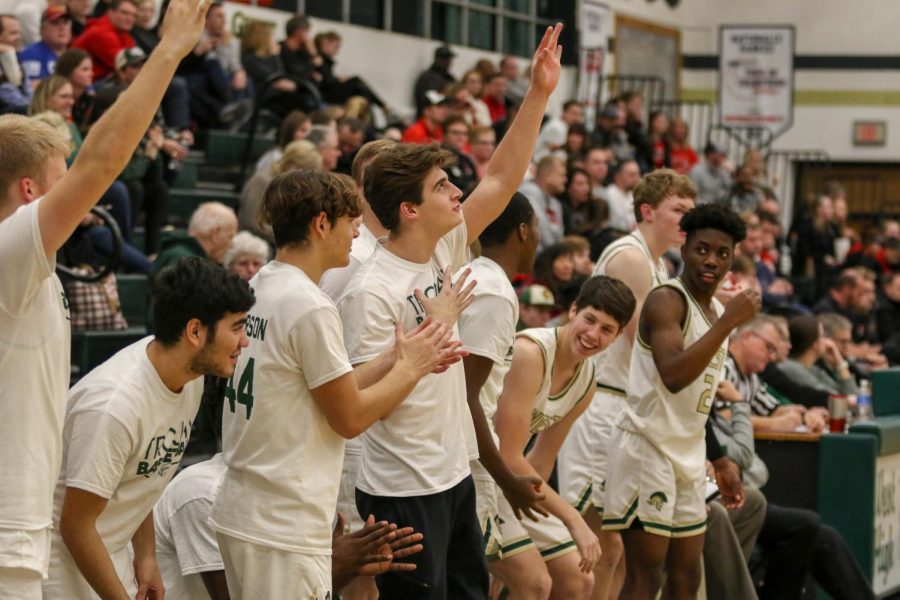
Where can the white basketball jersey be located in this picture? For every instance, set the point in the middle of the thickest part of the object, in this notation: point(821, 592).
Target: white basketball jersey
point(612, 365)
point(549, 410)
point(674, 423)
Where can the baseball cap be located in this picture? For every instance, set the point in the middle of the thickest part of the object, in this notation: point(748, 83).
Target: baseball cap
point(54, 14)
point(130, 57)
point(444, 52)
point(713, 148)
point(434, 98)
point(537, 295)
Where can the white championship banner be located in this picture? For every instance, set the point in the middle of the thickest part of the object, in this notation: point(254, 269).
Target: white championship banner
point(756, 77)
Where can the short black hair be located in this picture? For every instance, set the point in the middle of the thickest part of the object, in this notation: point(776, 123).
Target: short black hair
point(195, 288)
point(608, 295)
point(518, 211)
point(294, 23)
point(714, 216)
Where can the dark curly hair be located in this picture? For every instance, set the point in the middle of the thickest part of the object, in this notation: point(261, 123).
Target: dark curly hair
point(714, 216)
point(195, 288)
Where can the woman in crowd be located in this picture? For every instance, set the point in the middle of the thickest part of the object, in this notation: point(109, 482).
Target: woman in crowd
point(301, 154)
point(76, 65)
point(554, 267)
point(682, 157)
point(259, 55)
point(583, 213)
point(576, 145)
point(815, 237)
point(810, 349)
point(246, 255)
point(657, 130)
point(294, 127)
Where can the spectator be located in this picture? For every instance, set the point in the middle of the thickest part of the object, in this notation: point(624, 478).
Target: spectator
point(298, 51)
point(482, 143)
point(636, 130)
point(495, 97)
point(78, 11)
point(552, 138)
point(262, 62)
point(516, 84)
point(428, 128)
point(581, 259)
point(839, 329)
point(326, 142)
point(583, 213)
point(744, 195)
point(15, 90)
point(793, 540)
point(436, 78)
point(780, 385)
point(610, 133)
point(657, 131)
point(337, 90)
point(467, 94)
point(751, 348)
point(246, 255)
point(208, 235)
point(295, 127)
point(887, 309)
point(712, 179)
point(104, 37)
point(144, 30)
point(39, 59)
point(351, 136)
point(462, 174)
point(75, 65)
point(575, 148)
point(536, 307)
point(620, 195)
point(226, 49)
point(815, 243)
point(549, 182)
point(808, 346)
point(554, 267)
point(300, 154)
point(682, 156)
point(596, 163)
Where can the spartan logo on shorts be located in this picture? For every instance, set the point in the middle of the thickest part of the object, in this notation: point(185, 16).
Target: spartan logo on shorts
point(657, 499)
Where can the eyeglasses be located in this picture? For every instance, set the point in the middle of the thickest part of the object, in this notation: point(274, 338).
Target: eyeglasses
point(770, 347)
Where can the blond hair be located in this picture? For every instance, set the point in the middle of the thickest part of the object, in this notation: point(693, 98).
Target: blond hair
point(256, 38)
point(25, 147)
point(301, 154)
point(44, 91)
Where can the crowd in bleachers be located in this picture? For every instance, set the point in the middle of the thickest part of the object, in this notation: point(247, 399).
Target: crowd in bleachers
point(829, 285)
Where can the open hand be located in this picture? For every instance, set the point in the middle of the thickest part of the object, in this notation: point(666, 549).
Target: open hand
point(454, 297)
point(183, 24)
point(545, 66)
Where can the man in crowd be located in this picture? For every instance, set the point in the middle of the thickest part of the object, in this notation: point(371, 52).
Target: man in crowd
point(15, 89)
point(40, 207)
point(536, 306)
point(596, 163)
point(712, 179)
point(39, 59)
point(79, 11)
point(482, 143)
point(610, 133)
point(298, 53)
point(103, 38)
point(435, 78)
point(620, 195)
point(327, 143)
point(553, 134)
point(127, 425)
point(428, 128)
point(208, 235)
point(495, 96)
point(351, 135)
point(416, 461)
point(549, 182)
point(516, 85)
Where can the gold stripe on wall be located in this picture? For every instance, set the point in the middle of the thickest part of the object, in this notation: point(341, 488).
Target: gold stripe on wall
point(814, 97)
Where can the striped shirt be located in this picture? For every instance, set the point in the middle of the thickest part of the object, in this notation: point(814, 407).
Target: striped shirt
point(754, 391)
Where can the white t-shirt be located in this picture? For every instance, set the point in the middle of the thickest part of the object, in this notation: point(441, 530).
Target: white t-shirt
point(34, 375)
point(284, 459)
point(424, 446)
point(186, 545)
point(124, 436)
point(621, 208)
point(488, 328)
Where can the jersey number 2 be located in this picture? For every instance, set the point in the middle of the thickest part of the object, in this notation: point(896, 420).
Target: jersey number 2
point(706, 396)
point(244, 393)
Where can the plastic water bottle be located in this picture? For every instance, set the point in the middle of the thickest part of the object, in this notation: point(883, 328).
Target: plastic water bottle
point(864, 401)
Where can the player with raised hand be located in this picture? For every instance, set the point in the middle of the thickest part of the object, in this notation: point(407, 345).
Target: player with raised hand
point(40, 206)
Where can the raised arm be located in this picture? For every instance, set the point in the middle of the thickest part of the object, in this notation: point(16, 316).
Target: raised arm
point(113, 139)
point(507, 166)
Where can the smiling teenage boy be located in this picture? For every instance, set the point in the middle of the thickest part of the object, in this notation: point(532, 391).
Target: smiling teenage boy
point(656, 479)
point(415, 463)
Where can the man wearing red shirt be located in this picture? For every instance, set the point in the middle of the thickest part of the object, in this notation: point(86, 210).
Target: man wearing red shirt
point(495, 96)
point(428, 129)
point(104, 37)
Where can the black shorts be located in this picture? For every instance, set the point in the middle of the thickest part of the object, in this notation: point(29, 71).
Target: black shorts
point(452, 564)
